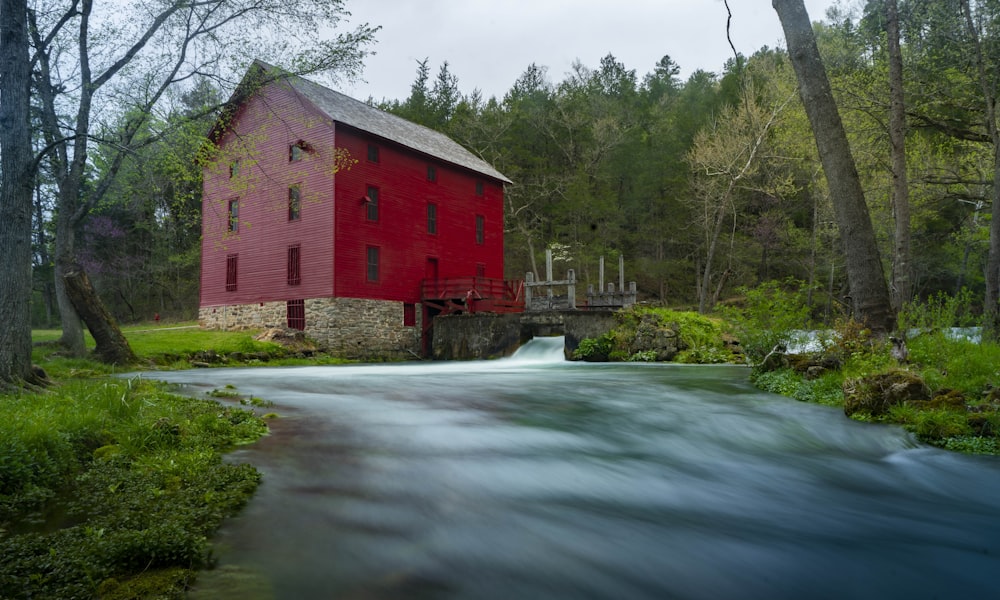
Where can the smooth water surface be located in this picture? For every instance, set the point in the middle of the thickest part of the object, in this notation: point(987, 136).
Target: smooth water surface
point(532, 477)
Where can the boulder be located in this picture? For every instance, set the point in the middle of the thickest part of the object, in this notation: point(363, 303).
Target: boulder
point(652, 336)
point(876, 394)
point(292, 339)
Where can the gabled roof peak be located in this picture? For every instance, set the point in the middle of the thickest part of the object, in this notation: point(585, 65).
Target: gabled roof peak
point(359, 115)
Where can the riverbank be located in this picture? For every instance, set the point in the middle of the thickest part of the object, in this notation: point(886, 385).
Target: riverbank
point(941, 386)
point(111, 487)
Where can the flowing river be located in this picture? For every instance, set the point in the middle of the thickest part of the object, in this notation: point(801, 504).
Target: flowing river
point(533, 477)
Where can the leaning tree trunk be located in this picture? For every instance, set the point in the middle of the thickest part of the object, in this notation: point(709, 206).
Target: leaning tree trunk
point(112, 347)
point(16, 179)
point(869, 292)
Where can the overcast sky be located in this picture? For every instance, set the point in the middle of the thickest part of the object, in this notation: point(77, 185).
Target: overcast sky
point(489, 43)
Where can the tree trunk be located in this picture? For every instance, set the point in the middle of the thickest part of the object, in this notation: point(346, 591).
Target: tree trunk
point(902, 278)
point(16, 180)
point(991, 303)
point(112, 347)
point(870, 294)
point(706, 277)
point(72, 328)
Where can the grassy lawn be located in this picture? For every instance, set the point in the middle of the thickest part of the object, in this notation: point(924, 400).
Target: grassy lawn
point(174, 346)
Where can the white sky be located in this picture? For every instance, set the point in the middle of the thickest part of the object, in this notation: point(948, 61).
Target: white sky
point(489, 43)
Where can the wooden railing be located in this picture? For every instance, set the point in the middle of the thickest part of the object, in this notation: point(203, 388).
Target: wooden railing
point(475, 294)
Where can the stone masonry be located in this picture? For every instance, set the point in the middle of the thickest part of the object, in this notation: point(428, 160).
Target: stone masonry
point(349, 327)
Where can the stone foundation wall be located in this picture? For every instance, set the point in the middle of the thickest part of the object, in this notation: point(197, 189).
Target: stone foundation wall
point(350, 327)
point(363, 329)
point(476, 337)
point(239, 317)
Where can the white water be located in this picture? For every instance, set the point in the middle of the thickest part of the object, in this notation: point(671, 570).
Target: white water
point(541, 350)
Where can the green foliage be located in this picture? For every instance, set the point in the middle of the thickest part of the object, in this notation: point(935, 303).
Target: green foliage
point(643, 356)
point(696, 338)
point(595, 349)
point(972, 445)
point(826, 390)
point(940, 311)
point(704, 355)
point(114, 484)
point(773, 314)
point(959, 364)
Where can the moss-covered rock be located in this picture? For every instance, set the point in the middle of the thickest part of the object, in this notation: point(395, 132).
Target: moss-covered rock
point(876, 394)
point(655, 338)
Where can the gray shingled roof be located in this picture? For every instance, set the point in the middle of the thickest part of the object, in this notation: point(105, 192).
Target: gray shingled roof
point(356, 114)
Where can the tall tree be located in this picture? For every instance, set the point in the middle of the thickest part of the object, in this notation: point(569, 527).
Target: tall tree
point(16, 179)
point(868, 290)
point(991, 304)
point(122, 60)
point(902, 284)
point(729, 157)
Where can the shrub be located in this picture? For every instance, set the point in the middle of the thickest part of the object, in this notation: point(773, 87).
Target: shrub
point(595, 349)
point(774, 313)
point(937, 312)
point(956, 363)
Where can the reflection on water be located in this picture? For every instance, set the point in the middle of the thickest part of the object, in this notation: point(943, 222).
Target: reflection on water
point(536, 478)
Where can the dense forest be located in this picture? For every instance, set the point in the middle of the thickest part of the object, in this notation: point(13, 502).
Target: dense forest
point(704, 185)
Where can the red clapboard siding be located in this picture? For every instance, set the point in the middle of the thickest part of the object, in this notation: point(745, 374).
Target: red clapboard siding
point(401, 230)
point(259, 138)
point(333, 231)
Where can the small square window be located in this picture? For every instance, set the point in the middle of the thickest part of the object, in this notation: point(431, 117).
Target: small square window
point(234, 169)
point(431, 173)
point(480, 269)
point(432, 218)
point(479, 188)
point(295, 152)
point(294, 203)
point(480, 229)
point(234, 215)
point(372, 153)
point(409, 315)
point(372, 263)
point(371, 204)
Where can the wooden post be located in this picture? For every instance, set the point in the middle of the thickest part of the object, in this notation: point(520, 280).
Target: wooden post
point(571, 289)
point(600, 275)
point(621, 272)
point(548, 273)
point(529, 278)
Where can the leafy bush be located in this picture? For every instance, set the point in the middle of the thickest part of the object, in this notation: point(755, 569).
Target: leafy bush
point(956, 363)
point(774, 313)
point(595, 349)
point(941, 311)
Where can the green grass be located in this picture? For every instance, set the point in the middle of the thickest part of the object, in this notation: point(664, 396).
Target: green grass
point(171, 346)
point(961, 415)
point(109, 486)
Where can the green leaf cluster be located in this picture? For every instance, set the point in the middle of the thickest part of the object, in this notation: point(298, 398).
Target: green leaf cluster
point(771, 315)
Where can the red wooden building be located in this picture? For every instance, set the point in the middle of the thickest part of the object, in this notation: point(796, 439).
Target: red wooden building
point(325, 214)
